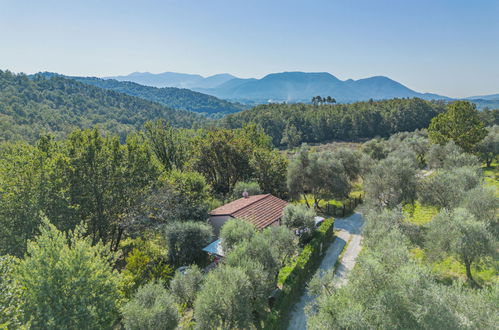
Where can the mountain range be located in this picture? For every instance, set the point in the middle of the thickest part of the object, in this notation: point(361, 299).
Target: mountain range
point(290, 87)
point(174, 79)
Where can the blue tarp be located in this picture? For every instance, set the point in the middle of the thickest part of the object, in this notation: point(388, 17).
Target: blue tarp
point(215, 248)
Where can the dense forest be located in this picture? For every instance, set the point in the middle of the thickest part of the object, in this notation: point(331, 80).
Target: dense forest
point(292, 124)
point(30, 107)
point(176, 98)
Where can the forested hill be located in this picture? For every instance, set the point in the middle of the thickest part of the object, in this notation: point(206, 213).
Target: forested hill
point(292, 124)
point(29, 107)
point(177, 98)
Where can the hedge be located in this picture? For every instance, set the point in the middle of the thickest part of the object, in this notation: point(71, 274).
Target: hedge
point(294, 277)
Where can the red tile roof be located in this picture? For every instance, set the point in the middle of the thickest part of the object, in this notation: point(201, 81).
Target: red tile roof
point(260, 210)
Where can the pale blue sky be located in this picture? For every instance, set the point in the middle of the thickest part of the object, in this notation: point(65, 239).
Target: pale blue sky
point(450, 47)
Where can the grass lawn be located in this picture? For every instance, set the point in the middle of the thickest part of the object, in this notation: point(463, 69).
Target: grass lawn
point(450, 269)
point(491, 175)
point(419, 214)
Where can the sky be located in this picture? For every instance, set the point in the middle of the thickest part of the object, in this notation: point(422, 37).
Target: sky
point(449, 47)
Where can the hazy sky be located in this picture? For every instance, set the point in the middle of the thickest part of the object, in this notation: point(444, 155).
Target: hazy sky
point(450, 47)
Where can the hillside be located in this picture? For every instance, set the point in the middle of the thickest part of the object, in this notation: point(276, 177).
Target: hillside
point(177, 98)
point(29, 107)
point(174, 79)
point(302, 86)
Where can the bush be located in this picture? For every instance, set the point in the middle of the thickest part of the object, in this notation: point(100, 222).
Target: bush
point(151, 308)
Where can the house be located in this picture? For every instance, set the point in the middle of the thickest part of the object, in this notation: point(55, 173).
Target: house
point(260, 210)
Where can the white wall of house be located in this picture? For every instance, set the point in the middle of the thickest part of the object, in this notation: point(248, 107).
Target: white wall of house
point(217, 221)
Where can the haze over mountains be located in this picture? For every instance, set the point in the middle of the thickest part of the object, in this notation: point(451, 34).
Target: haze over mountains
point(174, 79)
point(288, 87)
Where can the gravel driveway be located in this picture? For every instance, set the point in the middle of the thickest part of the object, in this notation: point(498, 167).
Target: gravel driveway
point(349, 230)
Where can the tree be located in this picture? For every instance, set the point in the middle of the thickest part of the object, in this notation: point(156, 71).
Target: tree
point(375, 148)
point(170, 145)
point(299, 218)
point(392, 181)
point(460, 123)
point(185, 286)
point(185, 240)
point(269, 170)
point(146, 261)
point(283, 243)
point(259, 249)
point(460, 234)
point(68, 282)
point(488, 148)
point(447, 188)
point(291, 136)
point(224, 300)
point(319, 174)
point(236, 231)
point(223, 158)
point(10, 294)
point(151, 308)
point(251, 187)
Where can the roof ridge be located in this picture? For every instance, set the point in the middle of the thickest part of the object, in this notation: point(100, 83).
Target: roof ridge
point(253, 202)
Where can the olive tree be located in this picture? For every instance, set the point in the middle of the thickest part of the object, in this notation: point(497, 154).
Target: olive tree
point(185, 286)
point(320, 174)
point(460, 234)
point(224, 300)
point(235, 231)
point(151, 308)
point(390, 182)
point(488, 148)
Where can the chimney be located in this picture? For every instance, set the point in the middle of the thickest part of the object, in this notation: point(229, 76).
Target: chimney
point(245, 194)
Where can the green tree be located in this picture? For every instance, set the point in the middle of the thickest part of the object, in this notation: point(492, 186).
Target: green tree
point(185, 241)
point(320, 174)
point(236, 231)
point(151, 308)
point(269, 170)
point(298, 217)
point(225, 300)
point(67, 281)
point(146, 261)
point(185, 286)
point(460, 123)
point(488, 148)
point(390, 182)
point(291, 136)
point(251, 187)
point(10, 294)
point(460, 234)
point(170, 145)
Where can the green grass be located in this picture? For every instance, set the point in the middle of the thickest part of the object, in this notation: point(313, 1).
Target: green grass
point(419, 214)
point(322, 203)
point(491, 176)
point(449, 269)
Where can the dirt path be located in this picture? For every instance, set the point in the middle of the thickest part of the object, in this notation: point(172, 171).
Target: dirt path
point(349, 231)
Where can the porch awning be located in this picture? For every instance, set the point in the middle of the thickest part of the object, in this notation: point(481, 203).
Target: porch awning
point(215, 248)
